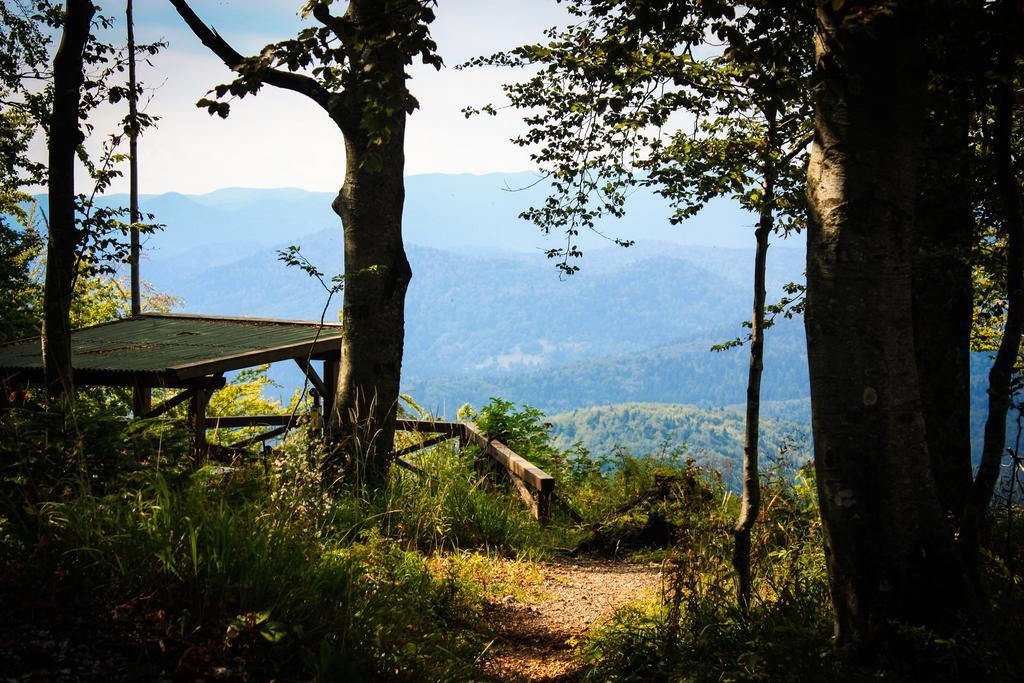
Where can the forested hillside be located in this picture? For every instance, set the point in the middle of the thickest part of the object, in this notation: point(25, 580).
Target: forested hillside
point(712, 436)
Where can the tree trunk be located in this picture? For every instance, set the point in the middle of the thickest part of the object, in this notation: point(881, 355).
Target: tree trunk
point(377, 275)
point(888, 554)
point(1000, 375)
point(943, 301)
point(62, 240)
point(370, 111)
point(141, 395)
point(133, 161)
point(751, 497)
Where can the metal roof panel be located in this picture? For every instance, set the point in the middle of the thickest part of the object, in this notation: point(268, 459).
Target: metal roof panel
point(161, 343)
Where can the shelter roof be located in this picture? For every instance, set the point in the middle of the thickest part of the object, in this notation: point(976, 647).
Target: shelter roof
point(174, 349)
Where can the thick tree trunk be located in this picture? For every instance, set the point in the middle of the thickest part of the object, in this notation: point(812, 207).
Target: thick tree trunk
point(1000, 375)
point(62, 240)
point(944, 301)
point(377, 275)
point(370, 111)
point(889, 555)
point(751, 497)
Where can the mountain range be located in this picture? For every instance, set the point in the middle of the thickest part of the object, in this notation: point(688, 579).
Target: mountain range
point(488, 315)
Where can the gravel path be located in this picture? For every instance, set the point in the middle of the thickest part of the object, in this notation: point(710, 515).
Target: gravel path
point(568, 598)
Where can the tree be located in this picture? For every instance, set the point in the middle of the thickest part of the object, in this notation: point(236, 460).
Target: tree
point(22, 51)
point(81, 237)
point(1011, 217)
point(65, 136)
point(607, 87)
point(890, 555)
point(358, 76)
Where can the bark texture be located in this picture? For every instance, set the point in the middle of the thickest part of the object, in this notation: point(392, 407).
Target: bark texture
point(62, 240)
point(377, 271)
point(142, 397)
point(370, 111)
point(377, 278)
point(943, 286)
point(888, 552)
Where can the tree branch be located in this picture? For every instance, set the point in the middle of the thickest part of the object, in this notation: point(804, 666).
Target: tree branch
point(322, 14)
point(234, 61)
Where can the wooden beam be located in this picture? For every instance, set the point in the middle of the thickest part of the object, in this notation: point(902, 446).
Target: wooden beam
point(564, 504)
point(248, 359)
point(270, 434)
point(173, 401)
point(331, 368)
point(232, 421)
point(432, 441)
point(312, 376)
point(404, 464)
point(538, 479)
point(432, 426)
point(197, 422)
point(334, 327)
point(524, 493)
point(543, 510)
point(116, 378)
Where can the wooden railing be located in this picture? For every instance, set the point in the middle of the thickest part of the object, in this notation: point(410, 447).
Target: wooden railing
point(535, 486)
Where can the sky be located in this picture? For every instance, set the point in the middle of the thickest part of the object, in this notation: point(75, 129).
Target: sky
point(279, 138)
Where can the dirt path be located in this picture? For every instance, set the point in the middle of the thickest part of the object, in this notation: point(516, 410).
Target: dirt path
point(565, 600)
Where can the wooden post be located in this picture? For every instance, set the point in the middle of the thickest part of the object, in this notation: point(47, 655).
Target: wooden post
point(330, 378)
point(197, 422)
point(142, 399)
point(544, 496)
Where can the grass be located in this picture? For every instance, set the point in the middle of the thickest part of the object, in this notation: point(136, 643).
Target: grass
point(259, 571)
point(225, 557)
point(258, 564)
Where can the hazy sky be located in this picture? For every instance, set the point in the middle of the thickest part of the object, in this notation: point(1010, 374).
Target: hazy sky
point(280, 139)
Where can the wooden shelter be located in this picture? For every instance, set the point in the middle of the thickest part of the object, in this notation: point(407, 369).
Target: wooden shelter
point(183, 351)
point(192, 353)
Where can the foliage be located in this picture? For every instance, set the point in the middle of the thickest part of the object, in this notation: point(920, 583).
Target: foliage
point(712, 437)
point(243, 395)
point(26, 94)
point(256, 569)
point(639, 95)
point(230, 565)
point(256, 562)
point(452, 506)
point(19, 292)
point(694, 632)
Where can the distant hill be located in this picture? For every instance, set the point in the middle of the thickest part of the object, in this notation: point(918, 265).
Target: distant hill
point(712, 436)
point(471, 314)
point(685, 372)
point(447, 211)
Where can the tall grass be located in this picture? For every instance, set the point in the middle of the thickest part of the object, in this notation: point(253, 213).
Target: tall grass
point(224, 556)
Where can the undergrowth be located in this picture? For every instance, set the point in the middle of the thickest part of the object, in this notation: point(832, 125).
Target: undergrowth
point(255, 564)
point(258, 570)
